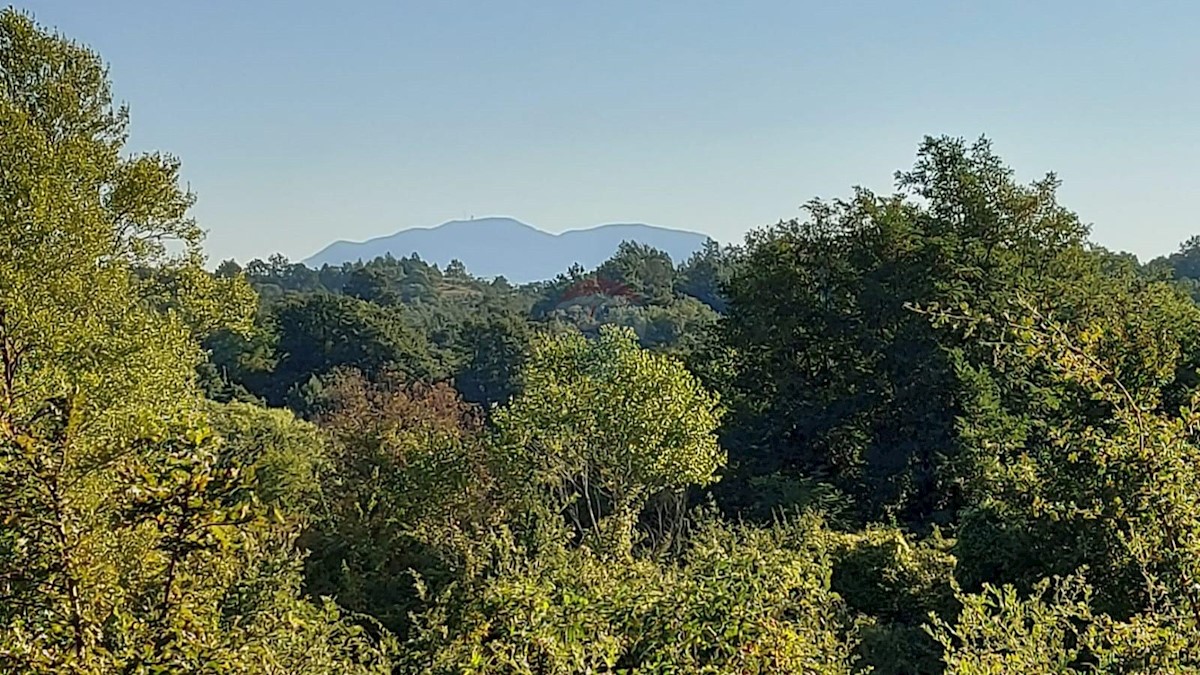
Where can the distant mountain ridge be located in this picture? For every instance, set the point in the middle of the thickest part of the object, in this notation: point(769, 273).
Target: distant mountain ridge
point(521, 253)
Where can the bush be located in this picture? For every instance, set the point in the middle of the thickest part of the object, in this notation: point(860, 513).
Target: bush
point(740, 599)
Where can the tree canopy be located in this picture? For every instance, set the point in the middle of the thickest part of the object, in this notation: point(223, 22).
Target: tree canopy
point(932, 431)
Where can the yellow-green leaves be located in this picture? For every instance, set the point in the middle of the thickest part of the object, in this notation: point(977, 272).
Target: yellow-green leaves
point(76, 217)
point(131, 539)
point(1055, 629)
point(609, 424)
point(738, 600)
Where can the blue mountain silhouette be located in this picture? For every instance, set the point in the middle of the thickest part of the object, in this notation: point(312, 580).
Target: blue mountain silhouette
point(506, 247)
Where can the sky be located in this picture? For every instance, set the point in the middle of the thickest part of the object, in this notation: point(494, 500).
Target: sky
point(302, 122)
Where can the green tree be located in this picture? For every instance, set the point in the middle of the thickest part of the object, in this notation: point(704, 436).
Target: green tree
point(374, 284)
point(126, 534)
point(1055, 630)
point(895, 583)
point(602, 426)
point(493, 348)
point(646, 271)
point(1101, 475)
point(833, 376)
point(675, 327)
point(406, 490)
point(288, 456)
point(704, 274)
point(1183, 266)
point(320, 332)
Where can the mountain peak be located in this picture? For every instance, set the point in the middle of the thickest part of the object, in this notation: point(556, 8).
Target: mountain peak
point(503, 246)
point(486, 221)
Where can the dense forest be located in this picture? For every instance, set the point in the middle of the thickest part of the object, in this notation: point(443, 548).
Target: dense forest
point(931, 431)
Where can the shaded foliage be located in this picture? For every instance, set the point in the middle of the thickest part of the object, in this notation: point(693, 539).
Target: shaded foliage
point(406, 487)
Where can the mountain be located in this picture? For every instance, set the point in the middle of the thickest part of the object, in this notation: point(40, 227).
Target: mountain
point(521, 253)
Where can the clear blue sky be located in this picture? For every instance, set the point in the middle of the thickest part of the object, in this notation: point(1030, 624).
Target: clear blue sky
point(302, 122)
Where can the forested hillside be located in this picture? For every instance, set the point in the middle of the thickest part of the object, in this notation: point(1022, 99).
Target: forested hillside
point(930, 431)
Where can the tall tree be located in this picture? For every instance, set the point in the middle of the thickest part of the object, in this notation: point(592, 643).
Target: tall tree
point(493, 347)
point(129, 541)
point(835, 377)
point(601, 426)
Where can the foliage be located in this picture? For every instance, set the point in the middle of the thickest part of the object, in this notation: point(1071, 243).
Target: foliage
point(160, 565)
point(318, 333)
point(665, 328)
point(1114, 492)
point(967, 440)
point(407, 485)
point(288, 456)
point(705, 274)
point(647, 272)
point(1183, 266)
point(130, 541)
point(737, 601)
point(603, 425)
point(835, 377)
point(493, 349)
point(894, 584)
point(1056, 631)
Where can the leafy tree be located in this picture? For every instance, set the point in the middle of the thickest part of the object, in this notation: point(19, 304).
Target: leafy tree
point(833, 376)
point(1185, 263)
point(126, 534)
point(1056, 630)
point(895, 583)
point(603, 425)
point(288, 456)
point(320, 332)
point(278, 275)
point(673, 327)
point(456, 269)
point(240, 364)
point(373, 285)
point(493, 348)
point(406, 488)
point(1183, 266)
point(1112, 490)
point(704, 274)
point(646, 271)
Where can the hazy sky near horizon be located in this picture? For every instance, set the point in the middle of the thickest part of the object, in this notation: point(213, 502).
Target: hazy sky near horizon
point(303, 122)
